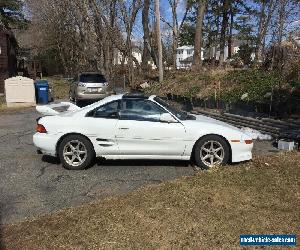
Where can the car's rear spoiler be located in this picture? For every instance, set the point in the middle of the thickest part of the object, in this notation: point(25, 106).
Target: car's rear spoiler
point(56, 108)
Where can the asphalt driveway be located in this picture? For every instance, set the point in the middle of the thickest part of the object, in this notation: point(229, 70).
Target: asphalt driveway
point(31, 184)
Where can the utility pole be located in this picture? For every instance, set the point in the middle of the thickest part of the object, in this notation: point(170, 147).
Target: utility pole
point(159, 45)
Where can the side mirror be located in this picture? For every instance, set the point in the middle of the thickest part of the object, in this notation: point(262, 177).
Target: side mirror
point(166, 117)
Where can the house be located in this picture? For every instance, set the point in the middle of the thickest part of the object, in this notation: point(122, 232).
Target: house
point(184, 57)
point(214, 52)
point(8, 60)
point(119, 58)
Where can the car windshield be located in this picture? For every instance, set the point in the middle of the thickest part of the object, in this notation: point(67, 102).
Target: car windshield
point(175, 111)
point(92, 78)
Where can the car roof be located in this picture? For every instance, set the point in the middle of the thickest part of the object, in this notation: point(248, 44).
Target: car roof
point(113, 98)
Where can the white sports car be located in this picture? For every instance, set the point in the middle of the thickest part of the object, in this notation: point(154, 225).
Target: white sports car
point(134, 126)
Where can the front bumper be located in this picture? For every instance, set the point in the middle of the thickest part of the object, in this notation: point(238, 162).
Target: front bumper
point(241, 151)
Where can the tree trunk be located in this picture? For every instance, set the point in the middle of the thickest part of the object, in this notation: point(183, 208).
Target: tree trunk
point(174, 4)
point(197, 62)
point(175, 46)
point(148, 50)
point(217, 23)
point(281, 19)
point(225, 8)
point(159, 45)
point(145, 22)
point(264, 22)
point(62, 59)
point(230, 33)
point(111, 47)
point(260, 30)
point(209, 40)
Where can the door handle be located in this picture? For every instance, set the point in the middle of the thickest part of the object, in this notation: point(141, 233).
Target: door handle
point(123, 128)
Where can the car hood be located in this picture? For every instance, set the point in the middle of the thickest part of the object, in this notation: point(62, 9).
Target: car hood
point(201, 119)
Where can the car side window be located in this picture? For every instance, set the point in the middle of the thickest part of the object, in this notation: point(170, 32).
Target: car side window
point(141, 110)
point(109, 110)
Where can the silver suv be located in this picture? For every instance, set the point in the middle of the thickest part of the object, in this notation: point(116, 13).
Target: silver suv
point(89, 86)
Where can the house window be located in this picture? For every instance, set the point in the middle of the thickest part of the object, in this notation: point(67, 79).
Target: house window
point(190, 51)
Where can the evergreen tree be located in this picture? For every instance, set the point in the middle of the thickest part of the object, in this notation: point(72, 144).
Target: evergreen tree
point(11, 14)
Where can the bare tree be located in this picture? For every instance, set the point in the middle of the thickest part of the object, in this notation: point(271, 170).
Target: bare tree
point(231, 14)
point(174, 4)
point(148, 48)
point(159, 44)
point(225, 9)
point(129, 13)
point(266, 11)
point(188, 7)
point(281, 19)
point(197, 62)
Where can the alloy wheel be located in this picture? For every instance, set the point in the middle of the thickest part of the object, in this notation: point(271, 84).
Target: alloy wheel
point(212, 153)
point(75, 153)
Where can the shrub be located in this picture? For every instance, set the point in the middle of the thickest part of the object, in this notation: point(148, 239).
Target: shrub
point(256, 83)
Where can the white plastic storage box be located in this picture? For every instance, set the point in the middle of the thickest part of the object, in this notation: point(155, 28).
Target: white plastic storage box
point(19, 91)
point(286, 145)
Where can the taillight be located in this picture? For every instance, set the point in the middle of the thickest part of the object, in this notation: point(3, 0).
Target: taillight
point(41, 129)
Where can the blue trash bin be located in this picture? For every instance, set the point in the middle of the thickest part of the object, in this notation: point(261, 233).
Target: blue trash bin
point(42, 90)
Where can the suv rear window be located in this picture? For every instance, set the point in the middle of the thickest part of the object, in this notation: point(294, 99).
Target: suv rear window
point(93, 78)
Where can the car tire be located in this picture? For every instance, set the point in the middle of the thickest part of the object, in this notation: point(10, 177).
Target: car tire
point(76, 152)
point(211, 150)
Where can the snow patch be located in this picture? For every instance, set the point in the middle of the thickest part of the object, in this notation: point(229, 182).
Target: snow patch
point(256, 135)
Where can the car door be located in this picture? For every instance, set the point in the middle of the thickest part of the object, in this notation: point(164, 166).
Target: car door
point(101, 126)
point(140, 132)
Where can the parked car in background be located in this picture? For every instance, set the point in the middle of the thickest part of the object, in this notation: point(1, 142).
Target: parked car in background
point(133, 126)
point(89, 86)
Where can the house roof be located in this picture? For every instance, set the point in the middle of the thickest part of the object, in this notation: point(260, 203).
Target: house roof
point(186, 47)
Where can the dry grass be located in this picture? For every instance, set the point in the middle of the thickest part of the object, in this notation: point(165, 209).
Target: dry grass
point(60, 87)
point(189, 83)
point(2, 102)
point(206, 211)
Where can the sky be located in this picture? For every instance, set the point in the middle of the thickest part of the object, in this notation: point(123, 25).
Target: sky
point(166, 13)
point(293, 20)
